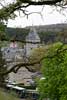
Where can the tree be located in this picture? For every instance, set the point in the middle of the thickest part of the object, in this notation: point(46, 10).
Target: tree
point(8, 11)
point(63, 36)
point(55, 61)
point(54, 70)
point(3, 68)
point(19, 5)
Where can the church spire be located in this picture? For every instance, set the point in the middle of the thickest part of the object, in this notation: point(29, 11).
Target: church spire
point(33, 36)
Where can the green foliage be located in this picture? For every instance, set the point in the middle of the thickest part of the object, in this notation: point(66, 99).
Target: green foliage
point(21, 33)
point(3, 68)
point(7, 96)
point(54, 69)
point(2, 60)
point(48, 37)
point(17, 33)
point(2, 31)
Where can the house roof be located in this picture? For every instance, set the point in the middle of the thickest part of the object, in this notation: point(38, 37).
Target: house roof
point(33, 36)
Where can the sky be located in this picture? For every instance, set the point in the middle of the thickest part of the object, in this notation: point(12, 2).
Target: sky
point(49, 16)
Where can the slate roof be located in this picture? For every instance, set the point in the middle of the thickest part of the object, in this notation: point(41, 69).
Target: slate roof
point(33, 36)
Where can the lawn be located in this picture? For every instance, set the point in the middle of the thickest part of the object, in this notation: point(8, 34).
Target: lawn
point(7, 96)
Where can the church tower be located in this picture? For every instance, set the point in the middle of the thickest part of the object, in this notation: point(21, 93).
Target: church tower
point(34, 38)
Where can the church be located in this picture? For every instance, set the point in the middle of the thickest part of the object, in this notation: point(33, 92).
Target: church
point(34, 40)
point(15, 53)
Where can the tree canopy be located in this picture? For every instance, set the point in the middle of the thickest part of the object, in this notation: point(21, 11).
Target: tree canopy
point(54, 86)
point(54, 70)
point(8, 11)
point(3, 68)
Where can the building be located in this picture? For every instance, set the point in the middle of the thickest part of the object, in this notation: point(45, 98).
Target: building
point(13, 53)
point(22, 76)
point(34, 40)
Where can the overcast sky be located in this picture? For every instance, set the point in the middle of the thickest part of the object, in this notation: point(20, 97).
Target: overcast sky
point(49, 17)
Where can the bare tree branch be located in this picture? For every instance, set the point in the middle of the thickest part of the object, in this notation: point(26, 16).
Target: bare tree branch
point(41, 2)
point(19, 65)
point(27, 65)
point(27, 14)
point(6, 12)
point(21, 41)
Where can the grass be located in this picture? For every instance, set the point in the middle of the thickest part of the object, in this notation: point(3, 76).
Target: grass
point(7, 96)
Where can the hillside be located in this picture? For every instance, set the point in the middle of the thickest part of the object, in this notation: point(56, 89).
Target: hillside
point(6, 96)
point(50, 28)
point(19, 33)
point(47, 33)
